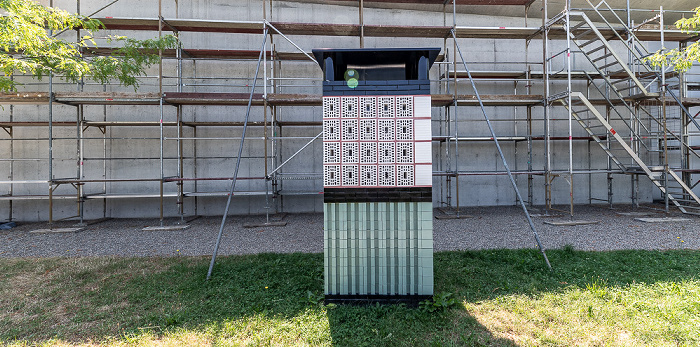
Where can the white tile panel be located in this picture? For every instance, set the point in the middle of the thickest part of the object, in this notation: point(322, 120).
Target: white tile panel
point(404, 175)
point(368, 152)
point(424, 175)
point(368, 129)
point(368, 175)
point(404, 106)
point(331, 107)
point(421, 105)
point(368, 107)
point(331, 175)
point(350, 175)
point(349, 129)
point(349, 106)
point(386, 175)
point(331, 152)
point(423, 152)
point(331, 129)
point(385, 106)
point(422, 130)
point(387, 154)
point(350, 153)
point(404, 129)
point(404, 152)
point(386, 130)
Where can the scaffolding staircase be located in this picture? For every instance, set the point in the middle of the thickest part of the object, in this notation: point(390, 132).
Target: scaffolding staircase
point(641, 77)
point(615, 71)
point(623, 85)
point(620, 152)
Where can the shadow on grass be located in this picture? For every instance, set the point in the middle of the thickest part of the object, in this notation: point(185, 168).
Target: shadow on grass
point(276, 298)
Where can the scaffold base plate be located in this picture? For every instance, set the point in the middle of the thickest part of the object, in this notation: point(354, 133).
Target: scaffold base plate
point(662, 220)
point(166, 227)
point(571, 222)
point(56, 230)
point(453, 216)
point(270, 224)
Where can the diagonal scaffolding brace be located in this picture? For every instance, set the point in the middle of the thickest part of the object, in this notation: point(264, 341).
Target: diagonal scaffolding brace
point(294, 155)
point(500, 153)
point(238, 159)
point(268, 24)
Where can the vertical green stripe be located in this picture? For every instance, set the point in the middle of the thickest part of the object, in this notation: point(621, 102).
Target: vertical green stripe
point(336, 235)
point(397, 268)
point(416, 232)
point(387, 236)
point(356, 241)
point(348, 238)
point(368, 244)
point(375, 223)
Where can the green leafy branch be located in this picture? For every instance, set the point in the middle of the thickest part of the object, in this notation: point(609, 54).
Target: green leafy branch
point(27, 46)
point(129, 61)
point(681, 59)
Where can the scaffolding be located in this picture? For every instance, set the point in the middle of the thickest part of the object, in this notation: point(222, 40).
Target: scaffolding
point(640, 118)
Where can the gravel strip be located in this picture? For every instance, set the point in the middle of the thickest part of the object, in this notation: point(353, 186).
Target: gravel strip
point(487, 228)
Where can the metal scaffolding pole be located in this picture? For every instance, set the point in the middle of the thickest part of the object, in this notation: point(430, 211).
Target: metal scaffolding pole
point(503, 158)
point(238, 160)
point(160, 94)
point(545, 83)
point(570, 120)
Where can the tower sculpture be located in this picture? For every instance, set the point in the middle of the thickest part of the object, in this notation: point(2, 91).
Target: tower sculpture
point(377, 174)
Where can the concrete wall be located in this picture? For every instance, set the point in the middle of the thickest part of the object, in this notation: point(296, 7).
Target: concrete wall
point(134, 151)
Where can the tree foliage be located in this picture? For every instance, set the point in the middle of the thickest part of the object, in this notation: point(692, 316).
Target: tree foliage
point(681, 59)
point(28, 46)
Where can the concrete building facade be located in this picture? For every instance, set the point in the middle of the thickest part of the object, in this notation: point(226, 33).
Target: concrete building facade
point(168, 149)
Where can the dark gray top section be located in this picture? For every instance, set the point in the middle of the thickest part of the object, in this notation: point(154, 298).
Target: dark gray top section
point(376, 64)
point(389, 87)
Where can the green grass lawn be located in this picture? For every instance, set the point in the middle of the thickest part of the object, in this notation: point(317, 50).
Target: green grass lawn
point(498, 297)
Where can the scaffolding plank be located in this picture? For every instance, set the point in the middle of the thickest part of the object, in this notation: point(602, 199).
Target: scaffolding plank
point(458, 2)
point(496, 32)
point(105, 51)
point(515, 74)
point(129, 124)
point(34, 124)
point(34, 197)
point(232, 99)
point(236, 193)
point(330, 29)
point(294, 99)
point(241, 99)
point(406, 31)
point(315, 100)
point(129, 196)
point(236, 124)
point(194, 53)
point(30, 98)
point(521, 74)
point(500, 100)
point(107, 98)
point(326, 29)
point(197, 25)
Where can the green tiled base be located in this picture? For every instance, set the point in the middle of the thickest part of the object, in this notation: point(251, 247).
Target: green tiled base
point(378, 248)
